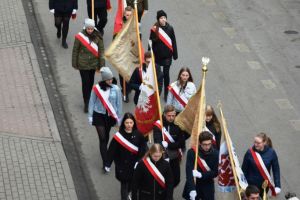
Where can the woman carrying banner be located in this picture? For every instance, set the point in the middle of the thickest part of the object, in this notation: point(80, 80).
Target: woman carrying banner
point(88, 56)
point(152, 178)
point(63, 10)
point(257, 164)
point(164, 46)
point(213, 126)
point(126, 148)
point(181, 90)
point(105, 108)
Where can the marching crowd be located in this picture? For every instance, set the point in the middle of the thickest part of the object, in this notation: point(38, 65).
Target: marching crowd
point(153, 172)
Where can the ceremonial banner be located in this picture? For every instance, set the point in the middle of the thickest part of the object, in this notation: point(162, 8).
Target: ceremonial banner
point(229, 178)
point(123, 53)
point(119, 16)
point(146, 111)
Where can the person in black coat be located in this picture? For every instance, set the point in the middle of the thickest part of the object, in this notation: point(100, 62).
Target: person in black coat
point(100, 13)
point(174, 149)
point(136, 81)
point(163, 53)
point(144, 185)
point(263, 146)
point(125, 159)
point(213, 125)
point(204, 187)
point(62, 10)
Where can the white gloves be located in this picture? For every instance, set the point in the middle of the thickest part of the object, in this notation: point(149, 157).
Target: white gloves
point(52, 11)
point(141, 87)
point(277, 190)
point(165, 144)
point(74, 11)
point(135, 165)
point(107, 169)
point(197, 174)
point(193, 194)
point(90, 120)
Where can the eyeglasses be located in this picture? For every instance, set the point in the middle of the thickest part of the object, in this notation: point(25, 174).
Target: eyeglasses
point(206, 144)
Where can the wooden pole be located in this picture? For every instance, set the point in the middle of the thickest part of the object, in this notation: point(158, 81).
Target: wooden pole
point(138, 34)
point(157, 90)
point(93, 9)
point(228, 143)
point(124, 89)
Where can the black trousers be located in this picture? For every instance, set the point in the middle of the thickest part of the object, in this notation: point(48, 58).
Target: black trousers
point(125, 189)
point(87, 80)
point(61, 22)
point(175, 166)
point(166, 72)
point(100, 15)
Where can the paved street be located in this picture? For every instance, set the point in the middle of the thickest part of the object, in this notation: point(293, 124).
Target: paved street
point(254, 71)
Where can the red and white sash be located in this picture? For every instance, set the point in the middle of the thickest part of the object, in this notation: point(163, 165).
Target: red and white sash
point(155, 172)
point(167, 135)
point(103, 97)
point(125, 143)
point(202, 163)
point(213, 136)
point(263, 170)
point(91, 46)
point(164, 37)
point(173, 88)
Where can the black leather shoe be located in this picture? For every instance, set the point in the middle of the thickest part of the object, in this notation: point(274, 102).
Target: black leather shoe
point(64, 45)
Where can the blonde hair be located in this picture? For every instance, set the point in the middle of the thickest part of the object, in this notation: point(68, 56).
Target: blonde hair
point(265, 139)
point(155, 148)
point(209, 111)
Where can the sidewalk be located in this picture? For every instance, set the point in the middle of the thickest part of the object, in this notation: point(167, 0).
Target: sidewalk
point(33, 164)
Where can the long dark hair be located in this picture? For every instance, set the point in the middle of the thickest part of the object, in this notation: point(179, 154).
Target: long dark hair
point(103, 85)
point(210, 112)
point(184, 69)
point(128, 115)
point(92, 37)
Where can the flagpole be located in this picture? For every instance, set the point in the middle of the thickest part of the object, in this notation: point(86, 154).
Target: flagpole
point(205, 61)
point(93, 9)
point(138, 33)
point(228, 143)
point(157, 90)
point(264, 186)
point(124, 89)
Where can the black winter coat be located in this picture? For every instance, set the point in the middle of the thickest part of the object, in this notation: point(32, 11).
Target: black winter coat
point(217, 134)
point(97, 3)
point(63, 6)
point(176, 133)
point(145, 187)
point(251, 172)
point(136, 81)
point(124, 159)
point(160, 50)
point(206, 183)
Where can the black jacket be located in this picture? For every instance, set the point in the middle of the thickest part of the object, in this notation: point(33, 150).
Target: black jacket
point(161, 51)
point(217, 134)
point(136, 81)
point(176, 133)
point(124, 159)
point(145, 187)
point(206, 183)
point(97, 3)
point(63, 6)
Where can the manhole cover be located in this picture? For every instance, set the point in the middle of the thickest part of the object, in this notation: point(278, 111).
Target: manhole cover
point(297, 66)
point(291, 32)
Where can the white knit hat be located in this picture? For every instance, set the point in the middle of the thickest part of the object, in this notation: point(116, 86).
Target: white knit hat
point(106, 73)
point(89, 23)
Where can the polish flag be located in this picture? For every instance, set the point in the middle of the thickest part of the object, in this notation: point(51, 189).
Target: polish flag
point(119, 16)
point(146, 111)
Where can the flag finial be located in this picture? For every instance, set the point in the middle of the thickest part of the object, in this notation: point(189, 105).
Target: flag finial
point(205, 61)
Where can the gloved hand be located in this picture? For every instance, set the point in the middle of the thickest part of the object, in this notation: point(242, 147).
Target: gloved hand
point(74, 11)
point(90, 120)
point(277, 190)
point(141, 86)
point(135, 165)
point(52, 11)
point(165, 144)
point(107, 169)
point(193, 195)
point(197, 174)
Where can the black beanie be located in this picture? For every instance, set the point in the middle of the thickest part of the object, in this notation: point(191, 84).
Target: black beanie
point(160, 13)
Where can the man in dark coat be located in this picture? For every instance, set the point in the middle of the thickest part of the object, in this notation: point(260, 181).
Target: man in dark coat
point(204, 187)
point(100, 13)
point(62, 10)
point(142, 6)
point(136, 80)
point(174, 149)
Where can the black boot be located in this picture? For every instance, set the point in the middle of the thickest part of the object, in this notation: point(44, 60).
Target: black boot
point(58, 34)
point(64, 44)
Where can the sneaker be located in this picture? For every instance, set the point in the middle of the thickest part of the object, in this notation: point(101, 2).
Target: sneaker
point(64, 44)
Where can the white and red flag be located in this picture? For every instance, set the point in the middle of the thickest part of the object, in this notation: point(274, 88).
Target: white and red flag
point(119, 16)
point(146, 111)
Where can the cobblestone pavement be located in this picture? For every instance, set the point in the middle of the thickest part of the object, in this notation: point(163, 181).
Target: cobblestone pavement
point(33, 164)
